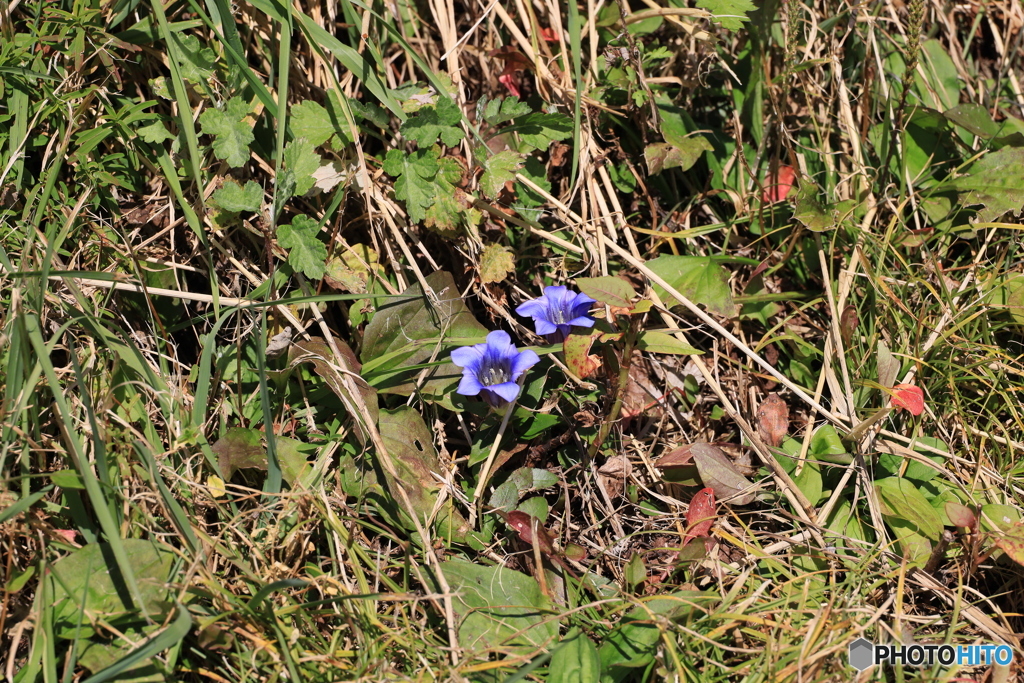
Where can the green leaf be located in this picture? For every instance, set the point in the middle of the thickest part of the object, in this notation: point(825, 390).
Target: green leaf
point(996, 182)
point(498, 170)
point(241, 448)
point(610, 290)
point(306, 253)
point(431, 123)
point(300, 163)
point(197, 62)
point(231, 135)
point(411, 447)
point(501, 110)
point(575, 660)
point(537, 172)
point(654, 341)
point(682, 154)
point(233, 197)
point(311, 121)
point(540, 130)
point(498, 608)
point(86, 582)
point(414, 182)
point(155, 133)
point(634, 641)
point(729, 13)
point(698, 278)
point(408, 328)
point(496, 262)
point(810, 211)
point(901, 499)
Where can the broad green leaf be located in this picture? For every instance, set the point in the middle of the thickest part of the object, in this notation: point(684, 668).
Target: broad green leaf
point(233, 197)
point(306, 253)
point(500, 110)
point(634, 572)
point(496, 262)
point(683, 153)
point(575, 660)
point(499, 608)
point(540, 130)
point(729, 13)
point(610, 290)
point(87, 581)
point(913, 544)
point(654, 341)
point(634, 641)
point(996, 182)
point(901, 499)
point(352, 268)
point(300, 163)
point(241, 448)
point(231, 134)
point(537, 506)
point(498, 170)
point(440, 121)
point(699, 279)
point(975, 118)
point(810, 211)
point(411, 447)
point(809, 481)
point(155, 133)
point(997, 517)
point(413, 327)
point(941, 75)
point(312, 122)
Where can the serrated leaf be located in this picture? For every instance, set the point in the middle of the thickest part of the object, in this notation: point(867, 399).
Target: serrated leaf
point(414, 175)
point(496, 262)
point(300, 163)
point(440, 121)
point(306, 253)
point(729, 13)
point(155, 133)
point(231, 134)
point(233, 197)
point(540, 130)
point(311, 121)
point(683, 154)
point(996, 182)
point(810, 211)
point(500, 110)
point(498, 170)
point(196, 62)
point(698, 278)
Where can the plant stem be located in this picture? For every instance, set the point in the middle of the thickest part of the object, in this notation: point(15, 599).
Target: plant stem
point(620, 388)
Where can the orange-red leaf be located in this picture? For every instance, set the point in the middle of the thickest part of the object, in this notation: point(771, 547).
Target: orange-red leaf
point(909, 397)
point(779, 184)
point(700, 515)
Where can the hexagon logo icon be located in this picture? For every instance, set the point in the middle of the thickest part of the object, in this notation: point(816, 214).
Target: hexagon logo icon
point(861, 651)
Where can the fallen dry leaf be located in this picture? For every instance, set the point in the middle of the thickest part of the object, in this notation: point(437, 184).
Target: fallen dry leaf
point(773, 420)
point(720, 474)
point(700, 515)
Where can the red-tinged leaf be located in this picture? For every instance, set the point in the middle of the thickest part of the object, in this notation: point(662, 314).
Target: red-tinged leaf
point(509, 81)
point(700, 515)
point(779, 184)
point(529, 529)
point(909, 397)
point(549, 35)
point(961, 515)
point(720, 474)
point(680, 457)
point(577, 354)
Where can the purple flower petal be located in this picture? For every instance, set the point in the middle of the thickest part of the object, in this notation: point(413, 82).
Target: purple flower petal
point(467, 356)
point(557, 311)
point(469, 385)
point(508, 391)
point(535, 308)
point(523, 362)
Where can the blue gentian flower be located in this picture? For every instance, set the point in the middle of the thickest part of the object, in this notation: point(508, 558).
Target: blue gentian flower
point(493, 369)
point(557, 311)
